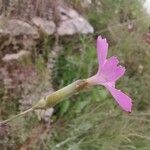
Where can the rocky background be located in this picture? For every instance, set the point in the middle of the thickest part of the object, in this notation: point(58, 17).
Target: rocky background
point(27, 25)
point(26, 28)
point(47, 44)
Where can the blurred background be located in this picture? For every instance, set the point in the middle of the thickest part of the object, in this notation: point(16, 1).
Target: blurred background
point(46, 45)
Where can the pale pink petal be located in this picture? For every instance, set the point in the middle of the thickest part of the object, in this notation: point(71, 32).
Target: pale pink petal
point(102, 48)
point(111, 62)
point(122, 99)
point(111, 71)
point(95, 80)
point(112, 84)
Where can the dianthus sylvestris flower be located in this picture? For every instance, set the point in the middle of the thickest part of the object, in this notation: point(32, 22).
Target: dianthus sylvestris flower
point(108, 73)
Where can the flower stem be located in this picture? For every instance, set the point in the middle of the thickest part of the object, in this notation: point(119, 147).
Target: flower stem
point(54, 98)
point(16, 116)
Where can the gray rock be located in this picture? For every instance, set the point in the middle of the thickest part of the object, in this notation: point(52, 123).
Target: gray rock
point(45, 26)
point(71, 22)
point(86, 3)
point(16, 56)
point(72, 26)
point(16, 27)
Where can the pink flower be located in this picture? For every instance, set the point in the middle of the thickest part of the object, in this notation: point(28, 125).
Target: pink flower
point(108, 73)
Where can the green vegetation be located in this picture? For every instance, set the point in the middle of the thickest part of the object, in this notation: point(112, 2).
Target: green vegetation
point(92, 120)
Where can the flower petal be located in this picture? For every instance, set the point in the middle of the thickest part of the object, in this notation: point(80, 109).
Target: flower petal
point(111, 71)
point(122, 99)
point(102, 48)
point(96, 80)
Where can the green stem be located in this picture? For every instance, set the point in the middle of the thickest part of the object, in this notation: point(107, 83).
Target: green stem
point(16, 116)
point(54, 98)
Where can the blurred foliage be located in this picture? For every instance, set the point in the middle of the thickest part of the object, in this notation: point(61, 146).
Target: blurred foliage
point(92, 120)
